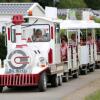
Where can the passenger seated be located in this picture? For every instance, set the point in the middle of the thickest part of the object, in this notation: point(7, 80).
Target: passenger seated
point(98, 45)
point(82, 41)
point(38, 36)
point(63, 48)
point(73, 39)
point(89, 39)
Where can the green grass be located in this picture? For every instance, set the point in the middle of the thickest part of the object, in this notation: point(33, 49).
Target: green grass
point(94, 96)
point(97, 20)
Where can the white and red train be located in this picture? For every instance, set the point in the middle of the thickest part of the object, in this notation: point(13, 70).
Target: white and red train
point(35, 63)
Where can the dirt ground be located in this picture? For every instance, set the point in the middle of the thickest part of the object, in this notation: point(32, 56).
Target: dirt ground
point(81, 93)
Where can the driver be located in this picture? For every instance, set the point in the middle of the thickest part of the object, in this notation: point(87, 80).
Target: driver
point(38, 35)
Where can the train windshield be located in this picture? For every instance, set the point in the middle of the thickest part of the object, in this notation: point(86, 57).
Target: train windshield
point(36, 33)
point(33, 32)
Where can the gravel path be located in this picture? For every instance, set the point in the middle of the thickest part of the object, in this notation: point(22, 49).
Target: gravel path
point(81, 93)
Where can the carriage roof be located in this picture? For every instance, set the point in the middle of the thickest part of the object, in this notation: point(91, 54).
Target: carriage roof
point(78, 24)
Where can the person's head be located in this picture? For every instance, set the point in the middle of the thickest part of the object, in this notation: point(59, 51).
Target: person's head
point(64, 39)
point(73, 37)
point(38, 33)
point(89, 37)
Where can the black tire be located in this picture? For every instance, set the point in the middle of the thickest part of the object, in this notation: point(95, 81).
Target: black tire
point(54, 81)
point(76, 75)
point(97, 66)
point(92, 69)
point(1, 89)
point(84, 72)
point(42, 82)
point(66, 77)
point(60, 80)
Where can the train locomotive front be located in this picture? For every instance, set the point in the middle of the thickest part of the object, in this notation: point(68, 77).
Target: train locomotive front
point(24, 64)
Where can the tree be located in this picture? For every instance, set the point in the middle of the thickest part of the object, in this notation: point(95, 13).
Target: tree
point(71, 4)
point(44, 3)
point(94, 4)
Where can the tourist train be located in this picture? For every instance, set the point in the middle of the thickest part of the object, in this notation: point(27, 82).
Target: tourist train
point(34, 55)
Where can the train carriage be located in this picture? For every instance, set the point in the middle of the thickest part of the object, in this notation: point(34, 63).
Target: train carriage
point(87, 51)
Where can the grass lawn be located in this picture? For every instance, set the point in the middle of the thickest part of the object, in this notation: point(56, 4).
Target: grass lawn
point(94, 96)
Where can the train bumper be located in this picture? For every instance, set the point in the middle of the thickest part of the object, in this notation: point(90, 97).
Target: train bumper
point(19, 80)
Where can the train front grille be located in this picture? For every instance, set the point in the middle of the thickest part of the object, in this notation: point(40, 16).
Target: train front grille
point(19, 80)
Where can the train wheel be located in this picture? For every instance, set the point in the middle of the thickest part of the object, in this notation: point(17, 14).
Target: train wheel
point(66, 77)
point(85, 71)
point(92, 69)
point(1, 89)
point(55, 81)
point(42, 83)
point(76, 75)
point(60, 80)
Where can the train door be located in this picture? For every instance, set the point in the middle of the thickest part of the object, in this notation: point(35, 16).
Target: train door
point(73, 49)
point(87, 50)
point(90, 41)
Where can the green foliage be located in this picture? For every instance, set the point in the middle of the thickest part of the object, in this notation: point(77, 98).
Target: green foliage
point(95, 96)
point(71, 4)
point(97, 20)
point(94, 4)
point(78, 15)
point(3, 49)
point(45, 2)
point(62, 17)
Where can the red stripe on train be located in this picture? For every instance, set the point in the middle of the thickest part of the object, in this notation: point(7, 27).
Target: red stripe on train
point(21, 46)
point(8, 33)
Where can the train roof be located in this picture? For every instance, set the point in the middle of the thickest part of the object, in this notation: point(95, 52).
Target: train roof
point(78, 24)
point(45, 18)
point(70, 24)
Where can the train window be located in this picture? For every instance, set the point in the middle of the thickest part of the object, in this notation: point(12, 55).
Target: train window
point(36, 32)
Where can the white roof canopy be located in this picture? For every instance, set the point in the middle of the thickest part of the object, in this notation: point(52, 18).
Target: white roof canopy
point(78, 24)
